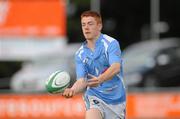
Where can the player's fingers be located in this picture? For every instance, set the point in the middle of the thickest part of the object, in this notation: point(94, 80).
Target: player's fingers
point(92, 80)
point(68, 93)
point(65, 93)
point(91, 76)
point(92, 84)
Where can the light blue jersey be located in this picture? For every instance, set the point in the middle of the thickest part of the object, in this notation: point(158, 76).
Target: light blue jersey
point(107, 51)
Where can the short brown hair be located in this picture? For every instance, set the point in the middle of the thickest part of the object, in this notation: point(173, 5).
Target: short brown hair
point(94, 14)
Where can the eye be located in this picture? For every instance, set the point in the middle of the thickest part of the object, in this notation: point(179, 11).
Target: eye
point(90, 23)
point(83, 25)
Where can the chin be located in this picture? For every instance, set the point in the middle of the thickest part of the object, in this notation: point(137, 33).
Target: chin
point(88, 38)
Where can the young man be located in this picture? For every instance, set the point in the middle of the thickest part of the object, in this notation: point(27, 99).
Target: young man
point(99, 72)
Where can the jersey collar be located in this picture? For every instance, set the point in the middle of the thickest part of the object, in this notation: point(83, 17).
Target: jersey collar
point(97, 41)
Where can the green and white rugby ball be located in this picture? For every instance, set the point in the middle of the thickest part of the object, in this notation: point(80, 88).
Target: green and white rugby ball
point(58, 82)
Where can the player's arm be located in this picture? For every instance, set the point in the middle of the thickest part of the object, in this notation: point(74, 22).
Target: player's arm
point(81, 84)
point(107, 75)
point(78, 87)
point(110, 72)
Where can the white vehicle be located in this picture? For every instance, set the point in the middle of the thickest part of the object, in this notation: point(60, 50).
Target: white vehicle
point(34, 73)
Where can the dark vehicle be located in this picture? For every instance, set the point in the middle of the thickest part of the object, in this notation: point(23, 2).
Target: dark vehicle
point(153, 63)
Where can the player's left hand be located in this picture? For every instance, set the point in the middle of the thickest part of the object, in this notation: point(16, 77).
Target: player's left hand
point(93, 82)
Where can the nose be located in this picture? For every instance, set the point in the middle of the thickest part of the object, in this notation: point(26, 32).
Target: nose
point(86, 26)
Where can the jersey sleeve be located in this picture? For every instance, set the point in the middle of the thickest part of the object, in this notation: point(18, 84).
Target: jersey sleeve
point(80, 69)
point(114, 53)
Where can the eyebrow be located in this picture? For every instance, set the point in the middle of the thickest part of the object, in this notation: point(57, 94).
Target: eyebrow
point(87, 22)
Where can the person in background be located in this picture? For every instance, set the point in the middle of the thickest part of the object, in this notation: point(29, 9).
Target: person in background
point(99, 72)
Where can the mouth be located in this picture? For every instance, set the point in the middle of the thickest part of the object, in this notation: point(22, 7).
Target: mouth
point(87, 32)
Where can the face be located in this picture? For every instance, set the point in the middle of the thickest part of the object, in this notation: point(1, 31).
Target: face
point(90, 27)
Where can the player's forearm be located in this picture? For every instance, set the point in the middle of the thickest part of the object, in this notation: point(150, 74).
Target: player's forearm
point(110, 72)
point(79, 86)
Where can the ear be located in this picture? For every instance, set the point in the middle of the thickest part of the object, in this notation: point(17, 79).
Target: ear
point(100, 27)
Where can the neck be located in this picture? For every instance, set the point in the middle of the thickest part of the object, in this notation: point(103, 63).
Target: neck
point(91, 42)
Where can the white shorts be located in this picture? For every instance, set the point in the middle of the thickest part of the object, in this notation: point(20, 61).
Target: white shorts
point(108, 111)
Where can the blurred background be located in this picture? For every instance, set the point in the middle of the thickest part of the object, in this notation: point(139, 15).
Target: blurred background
point(38, 37)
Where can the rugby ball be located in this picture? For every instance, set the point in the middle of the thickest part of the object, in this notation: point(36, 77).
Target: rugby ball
point(57, 82)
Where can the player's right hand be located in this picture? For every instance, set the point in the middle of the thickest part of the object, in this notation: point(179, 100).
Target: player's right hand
point(68, 93)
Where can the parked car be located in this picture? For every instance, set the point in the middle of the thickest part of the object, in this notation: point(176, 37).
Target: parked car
point(153, 63)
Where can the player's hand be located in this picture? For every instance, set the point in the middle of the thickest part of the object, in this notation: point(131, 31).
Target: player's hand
point(68, 93)
point(93, 81)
